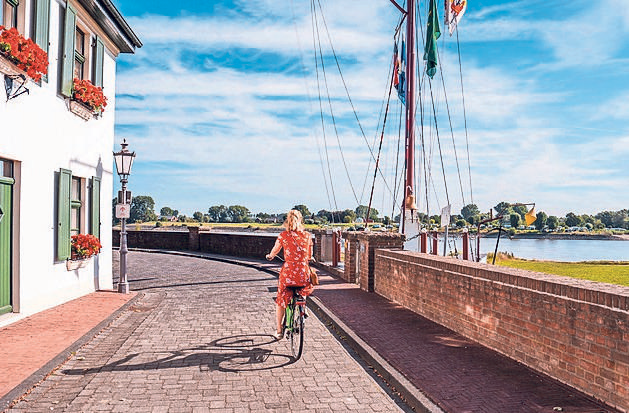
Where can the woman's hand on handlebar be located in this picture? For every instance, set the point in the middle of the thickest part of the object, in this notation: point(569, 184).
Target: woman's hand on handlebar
point(269, 257)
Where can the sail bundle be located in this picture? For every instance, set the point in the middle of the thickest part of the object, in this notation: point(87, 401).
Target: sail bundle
point(399, 70)
point(455, 9)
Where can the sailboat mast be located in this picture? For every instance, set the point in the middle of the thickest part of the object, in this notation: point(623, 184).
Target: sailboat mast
point(409, 192)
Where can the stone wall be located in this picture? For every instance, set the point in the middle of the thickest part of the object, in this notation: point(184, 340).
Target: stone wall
point(237, 244)
point(169, 240)
point(573, 330)
point(245, 245)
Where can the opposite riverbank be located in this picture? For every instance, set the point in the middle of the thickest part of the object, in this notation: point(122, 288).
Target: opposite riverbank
point(611, 272)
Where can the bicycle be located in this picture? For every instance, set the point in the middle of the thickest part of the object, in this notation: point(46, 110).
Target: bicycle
point(294, 321)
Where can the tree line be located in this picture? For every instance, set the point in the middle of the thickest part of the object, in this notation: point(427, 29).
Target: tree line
point(143, 210)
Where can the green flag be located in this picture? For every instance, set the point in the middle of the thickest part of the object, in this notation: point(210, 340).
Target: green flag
point(432, 34)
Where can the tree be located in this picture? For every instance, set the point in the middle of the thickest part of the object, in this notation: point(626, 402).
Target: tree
point(460, 223)
point(348, 214)
point(520, 209)
point(166, 212)
point(303, 209)
point(606, 218)
point(361, 211)
point(198, 216)
point(514, 219)
point(237, 213)
point(573, 220)
point(469, 210)
point(553, 222)
point(621, 219)
point(217, 213)
point(540, 222)
point(502, 208)
point(142, 209)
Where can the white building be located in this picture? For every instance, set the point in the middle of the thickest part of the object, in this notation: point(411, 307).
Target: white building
point(56, 175)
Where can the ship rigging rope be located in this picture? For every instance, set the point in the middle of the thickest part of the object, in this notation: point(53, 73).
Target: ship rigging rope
point(303, 72)
point(375, 172)
point(325, 79)
point(467, 142)
point(325, 26)
point(456, 156)
point(321, 111)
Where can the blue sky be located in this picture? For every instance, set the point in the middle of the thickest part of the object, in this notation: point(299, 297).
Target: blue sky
point(221, 105)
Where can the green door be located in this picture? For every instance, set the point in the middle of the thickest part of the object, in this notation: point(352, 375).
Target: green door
point(6, 190)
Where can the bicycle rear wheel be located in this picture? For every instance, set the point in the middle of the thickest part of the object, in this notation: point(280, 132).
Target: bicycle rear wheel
point(297, 333)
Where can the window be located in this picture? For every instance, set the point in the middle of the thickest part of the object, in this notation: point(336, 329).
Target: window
point(83, 53)
point(6, 168)
point(79, 54)
point(76, 204)
point(11, 12)
point(72, 212)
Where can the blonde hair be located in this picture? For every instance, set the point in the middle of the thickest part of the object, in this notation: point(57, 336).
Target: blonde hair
point(294, 221)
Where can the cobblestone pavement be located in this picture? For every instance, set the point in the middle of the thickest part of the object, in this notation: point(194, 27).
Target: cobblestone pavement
point(199, 340)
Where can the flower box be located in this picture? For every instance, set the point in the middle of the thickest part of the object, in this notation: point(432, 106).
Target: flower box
point(84, 246)
point(88, 101)
point(22, 53)
point(7, 67)
point(75, 264)
point(81, 110)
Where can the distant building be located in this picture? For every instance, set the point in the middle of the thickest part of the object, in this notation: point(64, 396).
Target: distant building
point(169, 218)
point(56, 175)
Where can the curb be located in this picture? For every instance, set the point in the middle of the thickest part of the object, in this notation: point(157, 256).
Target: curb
point(412, 396)
point(60, 358)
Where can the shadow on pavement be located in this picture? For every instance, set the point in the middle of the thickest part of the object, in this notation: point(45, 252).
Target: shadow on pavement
point(239, 353)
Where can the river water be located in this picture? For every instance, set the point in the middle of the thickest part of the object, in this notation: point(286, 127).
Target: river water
point(553, 249)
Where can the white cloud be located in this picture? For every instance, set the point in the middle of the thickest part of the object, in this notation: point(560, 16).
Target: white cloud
point(224, 127)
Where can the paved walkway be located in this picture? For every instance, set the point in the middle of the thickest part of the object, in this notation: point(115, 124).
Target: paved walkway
point(199, 340)
point(30, 344)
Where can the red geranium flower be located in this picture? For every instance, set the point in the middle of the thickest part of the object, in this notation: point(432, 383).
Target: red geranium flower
point(84, 91)
point(25, 53)
point(84, 246)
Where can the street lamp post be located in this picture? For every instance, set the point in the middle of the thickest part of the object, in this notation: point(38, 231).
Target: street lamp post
point(124, 161)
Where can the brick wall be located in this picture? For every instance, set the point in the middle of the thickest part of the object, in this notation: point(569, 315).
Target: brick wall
point(234, 244)
point(573, 330)
point(367, 243)
point(237, 244)
point(169, 240)
point(351, 254)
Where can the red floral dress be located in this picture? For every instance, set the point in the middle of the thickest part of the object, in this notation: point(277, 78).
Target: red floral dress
point(294, 272)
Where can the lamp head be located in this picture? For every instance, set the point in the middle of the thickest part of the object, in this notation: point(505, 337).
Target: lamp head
point(124, 160)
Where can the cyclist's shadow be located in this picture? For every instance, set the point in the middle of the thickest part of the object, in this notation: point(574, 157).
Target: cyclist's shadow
point(228, 354)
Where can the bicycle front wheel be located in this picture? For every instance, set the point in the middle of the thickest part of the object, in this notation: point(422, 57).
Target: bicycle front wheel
point(297, 333)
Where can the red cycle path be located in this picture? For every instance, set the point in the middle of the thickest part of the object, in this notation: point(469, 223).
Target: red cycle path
point(27, 345)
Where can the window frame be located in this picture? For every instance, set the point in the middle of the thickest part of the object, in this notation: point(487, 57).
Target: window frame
point(13, 14)
point(77, 205)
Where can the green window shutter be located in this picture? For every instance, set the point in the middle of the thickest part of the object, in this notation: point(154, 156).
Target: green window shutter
point(42, 23)
point(98, 62)
point(95, 208)
point(63, 214)
point(67, 69)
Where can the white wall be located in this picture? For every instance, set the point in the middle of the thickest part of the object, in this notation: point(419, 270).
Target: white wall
point(39, 131)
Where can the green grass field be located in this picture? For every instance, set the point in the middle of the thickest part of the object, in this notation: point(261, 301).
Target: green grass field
point(603, 271)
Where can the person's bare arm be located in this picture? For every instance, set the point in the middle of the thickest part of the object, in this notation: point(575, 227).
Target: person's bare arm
point(276, 249)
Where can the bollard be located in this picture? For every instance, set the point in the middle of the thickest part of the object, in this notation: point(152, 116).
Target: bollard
point(466, 245)
point(335, 255)
point(435, 240)
point(424, 241)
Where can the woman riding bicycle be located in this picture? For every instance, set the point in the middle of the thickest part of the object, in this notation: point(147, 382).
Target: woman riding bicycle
point(297, 244)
